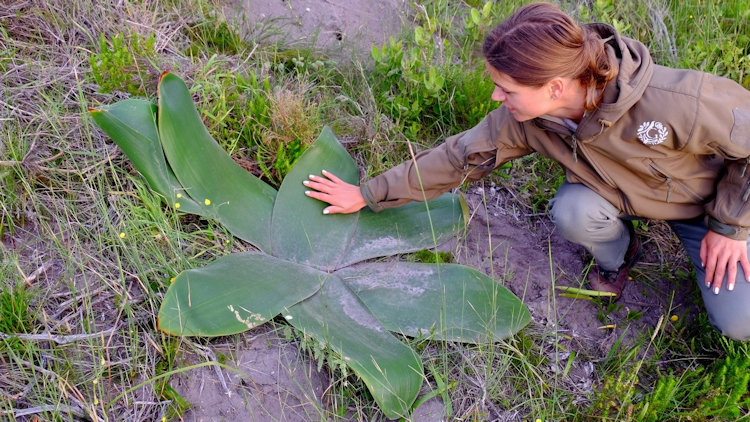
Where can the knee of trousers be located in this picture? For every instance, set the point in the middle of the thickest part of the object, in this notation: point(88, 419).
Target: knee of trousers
point(727, 311)
point(578, 220)
point(735, 326)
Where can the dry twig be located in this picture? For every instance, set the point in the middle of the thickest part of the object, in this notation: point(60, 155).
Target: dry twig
point(57, 338)
point(61, 408)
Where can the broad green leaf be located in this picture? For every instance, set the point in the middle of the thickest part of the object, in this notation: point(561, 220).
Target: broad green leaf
point(241, 201)
point(235, 293)
point(132, 125)
point(475, 16)
point(407, 228)
point(449, 302)
point(390, 369)
point(300, 231)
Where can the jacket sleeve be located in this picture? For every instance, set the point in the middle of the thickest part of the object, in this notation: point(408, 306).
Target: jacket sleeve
point(723, 122)
point(464, 157)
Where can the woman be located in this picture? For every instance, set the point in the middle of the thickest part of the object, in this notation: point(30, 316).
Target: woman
point(637, 140)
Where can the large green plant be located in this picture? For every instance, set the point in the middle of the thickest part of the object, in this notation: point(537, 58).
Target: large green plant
point(309, 266)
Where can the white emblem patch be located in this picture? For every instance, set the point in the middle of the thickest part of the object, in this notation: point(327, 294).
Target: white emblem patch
point(652, 133)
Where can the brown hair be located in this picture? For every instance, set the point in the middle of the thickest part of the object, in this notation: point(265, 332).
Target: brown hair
point(540, 42)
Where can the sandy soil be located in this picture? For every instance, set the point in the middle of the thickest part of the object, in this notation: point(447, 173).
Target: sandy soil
point(274, 382)
point(341, 27)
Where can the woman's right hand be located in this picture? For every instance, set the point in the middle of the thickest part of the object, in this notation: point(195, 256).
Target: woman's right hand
point(344, 198)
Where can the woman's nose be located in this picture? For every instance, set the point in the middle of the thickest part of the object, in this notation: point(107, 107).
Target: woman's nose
point(498, 95)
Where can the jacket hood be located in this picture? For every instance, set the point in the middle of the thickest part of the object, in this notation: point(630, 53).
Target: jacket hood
point(635, 68)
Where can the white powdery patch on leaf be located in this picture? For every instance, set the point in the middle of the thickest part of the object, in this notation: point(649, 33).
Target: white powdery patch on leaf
point(354, 310)
point(382, 245)
point(409, 279)
point(252, 320)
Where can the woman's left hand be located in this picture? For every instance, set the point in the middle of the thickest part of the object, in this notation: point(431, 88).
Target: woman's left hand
point(719, 256)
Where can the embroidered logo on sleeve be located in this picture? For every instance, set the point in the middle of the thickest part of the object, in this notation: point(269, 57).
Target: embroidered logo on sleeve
point(652, 133)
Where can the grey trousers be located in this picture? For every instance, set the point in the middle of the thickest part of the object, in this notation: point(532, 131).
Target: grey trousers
point(585, 218)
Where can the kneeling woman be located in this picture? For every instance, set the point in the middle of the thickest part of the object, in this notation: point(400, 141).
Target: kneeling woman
point(637, 140)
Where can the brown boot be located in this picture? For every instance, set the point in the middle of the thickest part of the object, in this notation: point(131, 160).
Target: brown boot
point(615, 281)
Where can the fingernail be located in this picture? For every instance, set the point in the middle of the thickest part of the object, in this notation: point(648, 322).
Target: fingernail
point(305, 182)
point(708, 284)
point(716, 290)
point(324, 172)
point(307, 192)
point(702, 264)
point(325, 211)
point(730, 287)
point(311, 176)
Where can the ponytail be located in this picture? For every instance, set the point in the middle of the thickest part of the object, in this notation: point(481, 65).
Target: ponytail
point(598, 70)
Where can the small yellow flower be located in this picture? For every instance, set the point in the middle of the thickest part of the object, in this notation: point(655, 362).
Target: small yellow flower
point(538, 420)
point(177, 205)
point(104, 362)
point(95, 382)
point(691, 16)
point(122, 235)
point(630, 278)
point(179, 195)
point(96, 401)
point(163, 419)
point(674, 318)
point(207, 201)
point(171, 280)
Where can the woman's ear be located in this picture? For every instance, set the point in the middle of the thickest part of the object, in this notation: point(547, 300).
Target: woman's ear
point(556, 88)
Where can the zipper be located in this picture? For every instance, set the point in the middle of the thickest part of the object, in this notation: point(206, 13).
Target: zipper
point(574, 141)
point(669, 180)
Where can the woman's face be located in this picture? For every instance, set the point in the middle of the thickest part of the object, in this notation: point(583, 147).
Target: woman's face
point(524, 102)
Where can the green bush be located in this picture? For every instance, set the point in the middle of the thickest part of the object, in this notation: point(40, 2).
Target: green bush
point(122, 63)
point(426, 98)
point(236, 106)
point(714, 38)
point(432, 83)
point(213, 36)
point(719, 392)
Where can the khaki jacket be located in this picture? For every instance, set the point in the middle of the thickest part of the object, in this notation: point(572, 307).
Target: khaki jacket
point(664, 144)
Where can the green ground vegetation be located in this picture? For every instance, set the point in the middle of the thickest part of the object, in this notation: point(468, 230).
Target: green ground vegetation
point(88, 250)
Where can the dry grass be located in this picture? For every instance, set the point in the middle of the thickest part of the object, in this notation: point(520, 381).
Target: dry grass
point(65, 199)
point(293, 125)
